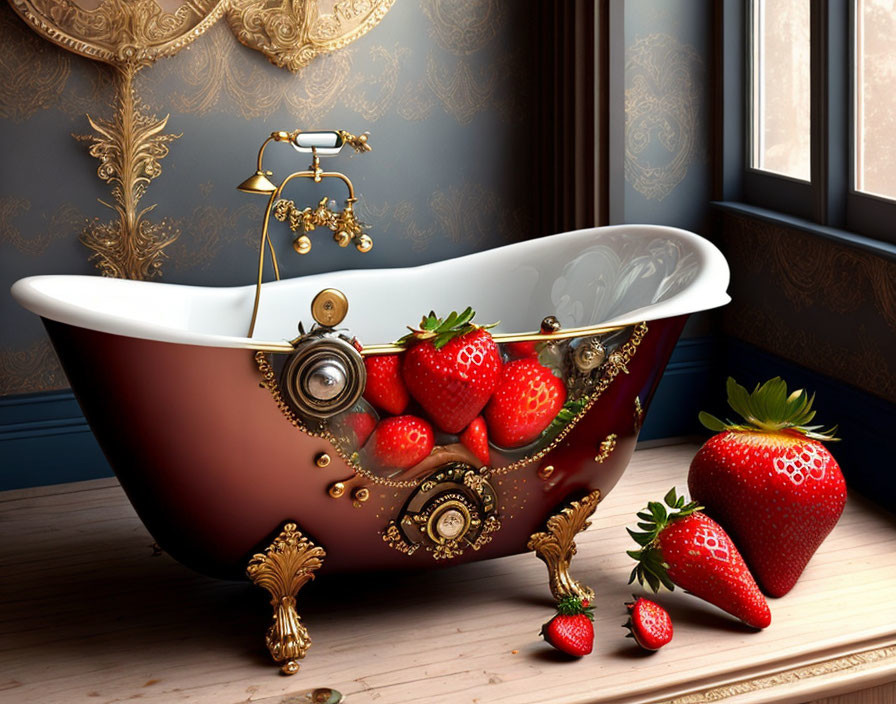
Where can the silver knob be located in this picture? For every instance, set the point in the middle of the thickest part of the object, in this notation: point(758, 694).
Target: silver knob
point(326, 380)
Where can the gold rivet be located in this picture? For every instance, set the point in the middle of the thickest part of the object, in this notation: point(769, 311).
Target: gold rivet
point(322, 460)
point(546, 471)
point(329, 307)
point(360, 495)
point(336, 490)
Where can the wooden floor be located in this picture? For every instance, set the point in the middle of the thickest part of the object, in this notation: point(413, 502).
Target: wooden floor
point(88, 613)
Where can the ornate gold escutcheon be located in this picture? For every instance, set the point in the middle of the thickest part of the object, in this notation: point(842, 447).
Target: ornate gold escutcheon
point(452, 510)
point(605, 449)
point(556, 546)
point(283, 569)
point(292, 33)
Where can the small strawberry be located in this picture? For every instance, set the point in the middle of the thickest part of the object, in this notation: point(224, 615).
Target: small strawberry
point(770, 481)
point(648, 623)
point(451, 368)
point(475, 437)
point(400, 442)
point(571, 631)
point(527, 400)
point(361, 424)
point(385, 388)
point(685, 547)
point(522, 350)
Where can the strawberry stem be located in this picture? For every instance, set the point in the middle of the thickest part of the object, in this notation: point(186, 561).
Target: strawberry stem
point(573, 606)
point(769, 408)
point(650, 567)
point(440, 331)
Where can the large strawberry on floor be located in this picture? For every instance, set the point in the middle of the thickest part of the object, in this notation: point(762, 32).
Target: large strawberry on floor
point(769, 481)
point(681, 546)
point(451, 368)
point(527, 400)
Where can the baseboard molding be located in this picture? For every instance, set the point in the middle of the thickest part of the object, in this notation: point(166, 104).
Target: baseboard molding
point(44, 439)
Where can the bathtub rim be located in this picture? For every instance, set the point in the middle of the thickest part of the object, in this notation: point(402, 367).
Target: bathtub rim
point(705, 292)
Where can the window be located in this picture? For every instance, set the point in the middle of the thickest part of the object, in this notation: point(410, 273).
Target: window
point(809, 110)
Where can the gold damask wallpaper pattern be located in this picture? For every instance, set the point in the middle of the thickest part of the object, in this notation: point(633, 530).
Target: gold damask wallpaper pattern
point(442, 85)
point(664, 124)
point(824, 305)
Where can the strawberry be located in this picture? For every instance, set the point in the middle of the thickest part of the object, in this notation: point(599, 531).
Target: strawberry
point(400, 442)
point(475, 437)
point(685, 547)
point(385, 388)
point(362, 424)
point(528, 399)
point(770, 482)
point(648, 623)
point(451, 368)
point(522, 350)
point(571, 631)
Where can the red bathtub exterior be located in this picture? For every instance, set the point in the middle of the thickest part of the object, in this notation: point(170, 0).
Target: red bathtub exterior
point(214, 469)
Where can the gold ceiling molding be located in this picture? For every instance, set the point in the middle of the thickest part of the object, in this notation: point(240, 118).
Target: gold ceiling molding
point(293, 32)
point(663, 113)
point(461, 26)
point(120, 32)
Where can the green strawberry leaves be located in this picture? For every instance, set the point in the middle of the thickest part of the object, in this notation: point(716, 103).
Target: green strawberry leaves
point(769, 408)
point(573, 606)
point(650, 567)
point(441, 332)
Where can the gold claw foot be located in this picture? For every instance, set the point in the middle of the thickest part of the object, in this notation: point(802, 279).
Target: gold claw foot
point(556, 546)
point(283, 569)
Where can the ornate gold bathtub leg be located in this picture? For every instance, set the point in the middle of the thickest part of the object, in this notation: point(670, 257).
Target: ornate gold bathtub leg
point(556, 546)
point(283, 569)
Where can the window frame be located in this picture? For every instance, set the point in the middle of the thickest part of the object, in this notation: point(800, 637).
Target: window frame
point(830, 198)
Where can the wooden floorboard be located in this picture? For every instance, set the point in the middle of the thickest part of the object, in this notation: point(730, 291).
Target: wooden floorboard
point(88, 613)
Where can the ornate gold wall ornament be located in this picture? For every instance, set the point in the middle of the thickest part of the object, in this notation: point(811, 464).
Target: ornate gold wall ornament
point(283, 569)
point(128, 35)
point(292, 32)
point(605, 449)
point(453, 509)
point(556, 546)
point(129, 149)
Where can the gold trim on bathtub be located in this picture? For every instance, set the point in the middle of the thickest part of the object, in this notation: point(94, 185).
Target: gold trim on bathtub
point(556, 546)
point(283, 569)
point(616, 363)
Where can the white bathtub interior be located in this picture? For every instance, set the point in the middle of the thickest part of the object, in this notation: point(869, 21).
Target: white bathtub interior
point(611, 275)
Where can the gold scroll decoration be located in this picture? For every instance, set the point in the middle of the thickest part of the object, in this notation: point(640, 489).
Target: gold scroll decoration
point(292, 32)
point(127, 34)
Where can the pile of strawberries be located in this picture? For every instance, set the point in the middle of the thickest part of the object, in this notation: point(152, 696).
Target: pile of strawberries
point(767, 485)
point(454, 373)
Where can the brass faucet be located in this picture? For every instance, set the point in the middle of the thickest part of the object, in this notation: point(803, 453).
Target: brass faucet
point(345, 225)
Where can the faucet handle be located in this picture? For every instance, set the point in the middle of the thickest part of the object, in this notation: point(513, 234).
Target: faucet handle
point(359, 143)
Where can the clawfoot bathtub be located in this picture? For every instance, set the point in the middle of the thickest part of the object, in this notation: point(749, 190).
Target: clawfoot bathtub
point(220, 447)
